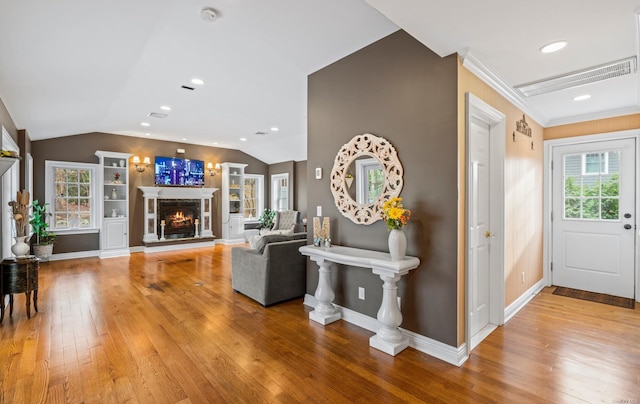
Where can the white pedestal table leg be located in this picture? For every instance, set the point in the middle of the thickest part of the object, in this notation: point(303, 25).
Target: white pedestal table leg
point(325, 312)
point(389, 339)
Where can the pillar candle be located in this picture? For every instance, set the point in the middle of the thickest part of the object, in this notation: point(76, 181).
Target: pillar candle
point(162, 223)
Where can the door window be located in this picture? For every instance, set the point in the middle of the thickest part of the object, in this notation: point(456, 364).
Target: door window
point(591, 186)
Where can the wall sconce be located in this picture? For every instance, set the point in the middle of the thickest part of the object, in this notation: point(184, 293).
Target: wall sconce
point(140, 168)
point(213, 171)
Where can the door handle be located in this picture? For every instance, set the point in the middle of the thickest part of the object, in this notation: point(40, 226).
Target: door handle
point(627, 226)
point(627, 215)
point(489, 234)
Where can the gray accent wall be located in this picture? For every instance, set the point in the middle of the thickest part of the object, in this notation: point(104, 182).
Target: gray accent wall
point(398, 89)
point(82, 148)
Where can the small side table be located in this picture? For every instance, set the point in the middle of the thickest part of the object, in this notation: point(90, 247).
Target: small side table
point(19, 275)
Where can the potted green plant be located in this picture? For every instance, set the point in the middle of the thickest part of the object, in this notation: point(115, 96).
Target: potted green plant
point(44, 239)
point(266, 219)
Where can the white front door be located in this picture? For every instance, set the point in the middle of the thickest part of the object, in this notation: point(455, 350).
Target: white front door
point(594, 217)
point(479, 225)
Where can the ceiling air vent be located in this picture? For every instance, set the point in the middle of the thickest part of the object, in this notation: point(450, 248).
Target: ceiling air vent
point(260, 133)
point(157, 115)
point(579, 78)
point(187, 88)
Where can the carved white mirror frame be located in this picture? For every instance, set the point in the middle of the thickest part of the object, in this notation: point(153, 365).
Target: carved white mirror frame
point(366, 145)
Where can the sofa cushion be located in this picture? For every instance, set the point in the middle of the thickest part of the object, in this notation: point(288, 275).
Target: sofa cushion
point(261, 244)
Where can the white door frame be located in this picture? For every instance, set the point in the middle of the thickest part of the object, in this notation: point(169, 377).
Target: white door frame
point(8, 143)
point(548, 197)
point(496, 120)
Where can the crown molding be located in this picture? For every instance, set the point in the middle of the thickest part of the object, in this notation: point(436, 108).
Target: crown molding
point(485, 74)
point(593, 116)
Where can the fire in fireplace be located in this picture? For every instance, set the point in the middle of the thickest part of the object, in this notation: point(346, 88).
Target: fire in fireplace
point(179, 216)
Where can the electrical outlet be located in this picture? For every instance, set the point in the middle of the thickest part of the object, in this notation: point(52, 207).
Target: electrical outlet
point(361, 293)
point(319, 211)
point(523, 277)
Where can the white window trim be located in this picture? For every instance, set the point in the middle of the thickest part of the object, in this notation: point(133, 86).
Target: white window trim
point(260, 195)
point(49, 166)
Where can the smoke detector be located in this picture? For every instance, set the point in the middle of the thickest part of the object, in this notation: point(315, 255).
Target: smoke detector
point(208, 14)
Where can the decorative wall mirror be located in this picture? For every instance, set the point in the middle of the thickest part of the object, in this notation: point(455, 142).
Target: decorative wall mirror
point(372, 163)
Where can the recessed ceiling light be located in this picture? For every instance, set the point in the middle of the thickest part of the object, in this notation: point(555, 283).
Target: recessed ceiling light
point(243, 139)
point(184, 138)
point(197, 82)
point(145, 124)
point(165, 108)
point(274, 129)
point(582, 97)
point(215, 142)
point(553, 46)
point(148, 134)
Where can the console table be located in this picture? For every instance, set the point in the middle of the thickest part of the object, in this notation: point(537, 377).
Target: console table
point(389, 339)
point(19, 275)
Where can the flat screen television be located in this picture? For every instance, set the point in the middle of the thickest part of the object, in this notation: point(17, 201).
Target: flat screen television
point(174, 171)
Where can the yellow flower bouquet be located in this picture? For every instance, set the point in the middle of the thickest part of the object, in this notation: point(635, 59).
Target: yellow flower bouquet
point(394, 214)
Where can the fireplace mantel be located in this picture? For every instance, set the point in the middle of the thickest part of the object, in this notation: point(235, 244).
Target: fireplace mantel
point(151, 196)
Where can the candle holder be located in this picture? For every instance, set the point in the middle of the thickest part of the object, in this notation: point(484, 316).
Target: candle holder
point(162, 225)
point(197, 235)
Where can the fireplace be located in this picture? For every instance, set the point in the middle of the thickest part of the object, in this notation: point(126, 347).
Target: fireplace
point(179, 217)
point(194, 203)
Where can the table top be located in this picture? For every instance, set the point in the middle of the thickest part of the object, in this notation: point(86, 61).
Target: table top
point(20, 260)
point(360, 257)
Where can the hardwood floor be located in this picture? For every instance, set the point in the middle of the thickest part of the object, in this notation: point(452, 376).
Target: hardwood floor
point(167, 328)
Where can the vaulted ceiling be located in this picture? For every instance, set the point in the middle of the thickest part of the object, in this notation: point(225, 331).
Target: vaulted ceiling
point(78, 66)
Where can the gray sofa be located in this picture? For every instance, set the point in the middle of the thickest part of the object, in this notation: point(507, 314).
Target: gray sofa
point(274, 272)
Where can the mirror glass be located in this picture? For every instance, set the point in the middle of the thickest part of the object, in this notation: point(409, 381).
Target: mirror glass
point(366, 172)
point(364, 179)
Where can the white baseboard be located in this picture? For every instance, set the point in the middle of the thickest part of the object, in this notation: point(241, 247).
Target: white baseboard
point(115, 253)
point(447, 353)
point(522, 301)
point(74, 255)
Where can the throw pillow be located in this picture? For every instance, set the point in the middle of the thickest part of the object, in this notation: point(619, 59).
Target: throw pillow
point(253, 241)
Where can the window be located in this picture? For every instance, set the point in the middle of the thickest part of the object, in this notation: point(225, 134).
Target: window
point(253, 196)
point(591, 186)
point(70, 190)
point(280, 192)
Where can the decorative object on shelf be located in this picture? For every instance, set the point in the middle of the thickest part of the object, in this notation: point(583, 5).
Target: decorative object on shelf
point(121, 163)
point(20, 213)
point(9, 153)
point(213, 171)
point(396, 217)
point(44, 240)
point(365, 146)
point(140, 167)
point(114, 212)
point(326, 228)
point(116, 177)
point(114, 194)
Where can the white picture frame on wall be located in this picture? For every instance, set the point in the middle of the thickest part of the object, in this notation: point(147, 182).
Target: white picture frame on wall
point(319, 173)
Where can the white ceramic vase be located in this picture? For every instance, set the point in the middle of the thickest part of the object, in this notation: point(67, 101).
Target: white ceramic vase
point(20, 248)
point(397, 244)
